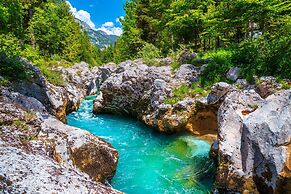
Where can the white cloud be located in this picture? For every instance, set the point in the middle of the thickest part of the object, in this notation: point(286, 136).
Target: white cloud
point(108, 24)
point(111, 30)
point(82, 15)
point(107, 27)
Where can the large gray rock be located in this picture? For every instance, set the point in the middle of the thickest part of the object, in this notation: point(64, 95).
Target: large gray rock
point(32, 139)
point(141, 91)
point(188, 72)
point(254, 143)
point(267, 86)
point(128, 90)
point(79, 81)
point(23, 172)
point(218, 93)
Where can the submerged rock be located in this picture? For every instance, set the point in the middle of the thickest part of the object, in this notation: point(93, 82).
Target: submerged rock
point(254, 143)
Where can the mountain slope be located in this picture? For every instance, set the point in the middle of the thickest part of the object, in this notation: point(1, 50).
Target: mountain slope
point(98, 37)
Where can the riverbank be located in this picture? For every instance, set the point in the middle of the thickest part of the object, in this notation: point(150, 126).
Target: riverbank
point(234, 113)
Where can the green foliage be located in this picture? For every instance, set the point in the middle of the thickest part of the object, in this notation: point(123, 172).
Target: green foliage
point(149, 53)
point(3, 81)
point(266, 55)
point(285, 85)
point(53, 76)
point(50, 30)
point(184, 91)
point(11, 17)
point(10, 66)
point(220, 61)
point(258, 31)
point(21, 125)
point(45, 33)
point(9, 45)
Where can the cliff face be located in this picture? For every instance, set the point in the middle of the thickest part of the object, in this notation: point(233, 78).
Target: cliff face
point(39, 153)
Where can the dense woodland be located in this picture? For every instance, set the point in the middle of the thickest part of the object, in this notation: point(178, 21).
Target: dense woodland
point(43, 32)
point(251, 34)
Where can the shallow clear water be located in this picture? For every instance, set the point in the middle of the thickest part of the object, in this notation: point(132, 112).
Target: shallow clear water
point(150, 162)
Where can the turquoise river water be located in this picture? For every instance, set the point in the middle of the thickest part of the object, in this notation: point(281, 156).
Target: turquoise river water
point(150, 162)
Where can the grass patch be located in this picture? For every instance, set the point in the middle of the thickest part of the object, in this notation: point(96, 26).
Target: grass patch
point(184, 91)
point(220, 61)
point(21, 125)
point(53, 76)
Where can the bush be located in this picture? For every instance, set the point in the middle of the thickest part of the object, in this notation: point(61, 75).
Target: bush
point(266, 55)
point(149, 53)
point(9, 45)
point(220, 61)
point(54, 77)
point(11, 68)
point(30, 53)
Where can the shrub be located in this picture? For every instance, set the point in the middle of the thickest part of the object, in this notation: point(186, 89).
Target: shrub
point(9, 45)
point(30, 53)
point(149, 53)
point(11, 68)
point(266, 55)
point(220, 61)
point(53, 76)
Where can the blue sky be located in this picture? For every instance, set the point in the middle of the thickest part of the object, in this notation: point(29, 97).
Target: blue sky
point(99, 14)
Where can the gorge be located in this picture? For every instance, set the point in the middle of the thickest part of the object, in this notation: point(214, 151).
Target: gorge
point(246, 132)
point(150, 162)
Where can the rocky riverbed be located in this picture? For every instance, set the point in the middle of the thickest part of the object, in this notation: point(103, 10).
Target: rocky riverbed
point(250, 126)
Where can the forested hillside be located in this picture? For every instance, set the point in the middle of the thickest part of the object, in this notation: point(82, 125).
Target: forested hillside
point(43, 32)
point(252, 34)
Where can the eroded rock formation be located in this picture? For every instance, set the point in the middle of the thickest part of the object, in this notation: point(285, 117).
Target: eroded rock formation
point(79, 81)
point(38, 152)
point(254, 142)
point(137, 90)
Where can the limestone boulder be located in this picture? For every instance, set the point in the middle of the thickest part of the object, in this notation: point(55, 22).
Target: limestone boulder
point(254, 143)
point(29, 131)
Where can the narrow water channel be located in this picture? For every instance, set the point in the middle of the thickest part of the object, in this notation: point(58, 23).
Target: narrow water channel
point(150, 162)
